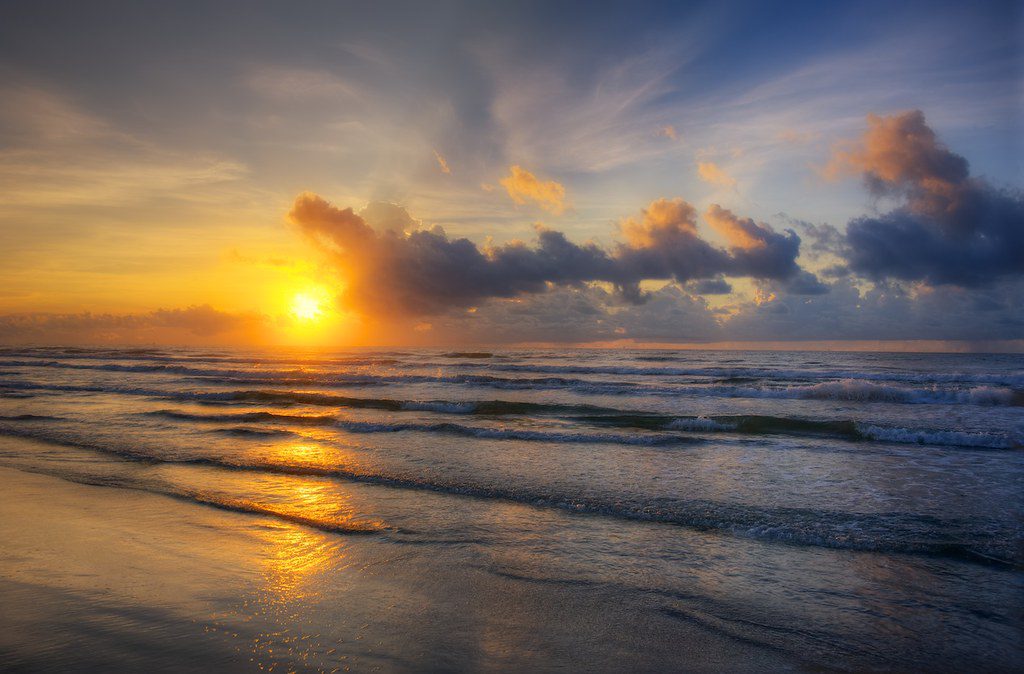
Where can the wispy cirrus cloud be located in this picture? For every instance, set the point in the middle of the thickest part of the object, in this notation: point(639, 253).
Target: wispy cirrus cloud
point(442, 163)
point(56, 154)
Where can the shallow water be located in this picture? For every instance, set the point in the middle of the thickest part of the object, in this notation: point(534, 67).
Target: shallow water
point(656, 510)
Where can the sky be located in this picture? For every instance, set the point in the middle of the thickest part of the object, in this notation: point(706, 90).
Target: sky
point(349, 174)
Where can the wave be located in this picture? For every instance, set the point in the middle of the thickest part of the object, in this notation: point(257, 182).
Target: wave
point(840, 429)
point(487, 433)
point(181, 362)
point(859, 391)
point(598, 415)
point(448, 428)
point(245, 432)
point(767, 373)
point(29, 417)
point(479, 407)
point(844, 390)
point(740, 424)
point(47, 358)
point(218, 501)
point(850, 389)
point(939, 437)
point(606, 416)
point(973, 539)
point(255, 417)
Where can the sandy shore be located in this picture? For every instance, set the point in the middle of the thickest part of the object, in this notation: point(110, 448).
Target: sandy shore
point(98, 578)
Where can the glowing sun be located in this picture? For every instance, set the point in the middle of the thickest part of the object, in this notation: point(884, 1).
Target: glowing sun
point(308, 306)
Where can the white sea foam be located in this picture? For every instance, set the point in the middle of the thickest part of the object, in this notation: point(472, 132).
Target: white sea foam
point(934, 437)
point(699, 424)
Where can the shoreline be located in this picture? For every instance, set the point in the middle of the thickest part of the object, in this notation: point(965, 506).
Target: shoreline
point(98, 578)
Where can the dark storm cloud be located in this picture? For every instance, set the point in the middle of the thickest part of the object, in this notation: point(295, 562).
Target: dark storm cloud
point(951, 229)
point(424, 272)
point(711, 286)
point(805, 283)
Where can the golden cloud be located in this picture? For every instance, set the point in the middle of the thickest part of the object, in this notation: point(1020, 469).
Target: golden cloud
point(524, 187)
point(712, 173)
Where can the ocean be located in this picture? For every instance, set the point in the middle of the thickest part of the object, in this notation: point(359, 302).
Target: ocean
point(548, 509)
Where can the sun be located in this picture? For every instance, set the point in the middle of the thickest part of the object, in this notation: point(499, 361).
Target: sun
point(309, 306)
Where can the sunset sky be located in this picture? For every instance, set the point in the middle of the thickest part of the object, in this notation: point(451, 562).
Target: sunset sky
point(441, 173)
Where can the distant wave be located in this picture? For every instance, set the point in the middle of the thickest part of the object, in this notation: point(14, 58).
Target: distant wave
point(854, 389)
point(772, 374)
point(273, 370)
point(849, 430)
point(859, 391)
point(47, 358)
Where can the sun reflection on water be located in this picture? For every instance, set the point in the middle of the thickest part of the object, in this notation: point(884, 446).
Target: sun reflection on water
point(309, 454)
point(283, 614)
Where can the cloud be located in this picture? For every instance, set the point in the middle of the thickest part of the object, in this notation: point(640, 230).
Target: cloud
point(823, 239)
point(424, 272)
point(949, 229)
point(442, 162)
point(582, 314)
point(53, 154)
point(669, 131)
point(757, 250)
point(396, 273)
point(805, 283)
point(162, 325)
point(386, 216)
point(887, 311)
point(524, 187)
point(663, 243)
point(590, 115)
point(711, 286)
point(711, 173)
point(290, 84)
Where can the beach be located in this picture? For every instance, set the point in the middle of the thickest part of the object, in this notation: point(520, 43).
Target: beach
point(180, 510)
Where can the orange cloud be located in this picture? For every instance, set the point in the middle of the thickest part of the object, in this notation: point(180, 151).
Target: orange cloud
point(525, 187)
point(950, 229)
point(741, 233)
point(664, 219)
point(901, 152)
point(669, 132)
point(712, 173)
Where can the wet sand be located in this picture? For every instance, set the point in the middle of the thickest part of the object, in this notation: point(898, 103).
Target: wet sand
point(99, 579)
